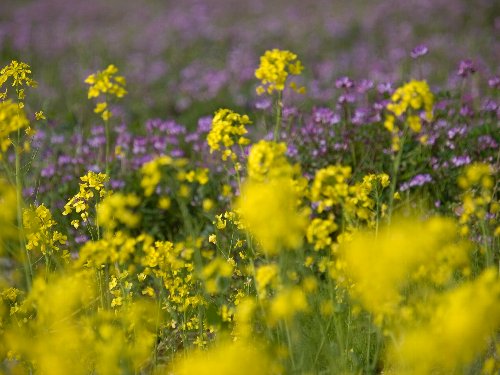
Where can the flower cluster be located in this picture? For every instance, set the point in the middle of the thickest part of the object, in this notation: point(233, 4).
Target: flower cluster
point(270, 212)
point(267, 160)
point(105, 82)
point(8, 201)
point(38, 227)
point(458, 330)
point(382, 266)
point(12, 120)
point(92, 185)
point(20, 74)
point(477, 183)
point(118, 208)
point(410, 99)
point(275, 67)
point(228, 129)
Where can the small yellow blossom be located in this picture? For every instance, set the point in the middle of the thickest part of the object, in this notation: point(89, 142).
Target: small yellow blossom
point(275, 67)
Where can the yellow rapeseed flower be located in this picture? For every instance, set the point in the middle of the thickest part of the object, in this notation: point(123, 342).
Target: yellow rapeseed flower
point(275, 67)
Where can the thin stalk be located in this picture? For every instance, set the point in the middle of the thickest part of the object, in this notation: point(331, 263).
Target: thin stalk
point(279, 112)
point(108, 144)
point(28, 270)
point(395, 170)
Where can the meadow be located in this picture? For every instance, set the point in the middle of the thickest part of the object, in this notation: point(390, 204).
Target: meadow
point(217, 187)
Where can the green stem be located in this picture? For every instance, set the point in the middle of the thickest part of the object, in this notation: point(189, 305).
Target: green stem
point(19, 203)
point(108, 143)
point(396, 165)
point(279, 111)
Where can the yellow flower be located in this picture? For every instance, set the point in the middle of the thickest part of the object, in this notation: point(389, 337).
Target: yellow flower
point(226, 358)
point(12, 118)
point(268, 160)
point(287, 304)
point(228, 129)
point(275, 67)
point(464, 321)
point(40, 116)
point(270, 212)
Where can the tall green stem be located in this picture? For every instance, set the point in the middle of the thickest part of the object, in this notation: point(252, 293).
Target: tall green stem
point(279, 111)
point(395, 170)
point(108, 143)
point(28, 271)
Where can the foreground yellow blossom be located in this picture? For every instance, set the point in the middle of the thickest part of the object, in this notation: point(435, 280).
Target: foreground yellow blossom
point(270, 212)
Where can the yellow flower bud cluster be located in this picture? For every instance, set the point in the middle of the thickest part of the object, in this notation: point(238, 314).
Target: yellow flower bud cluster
point(38, 227)
point(8, 213)
point(118, 208)
point(106, 82)
point(228, 128)
point(267, 160)
point(331, 187)
point(410, 99)
point(12, 119)
point(275, 67)
point(270, 212)
point(477, 183)
point(463, 323)
point(20, 74)
point(151, 172)
point(92, 185)
point(381, 266)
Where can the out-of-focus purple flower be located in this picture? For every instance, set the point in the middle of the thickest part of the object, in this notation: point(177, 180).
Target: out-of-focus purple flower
point(264, 103)
point(494, 82)
point(325, 116)
point(489, 105)
point(290, 112)
point(466, 111)
point(205, 124)
point(456, 130)
point(177, 153)
point(64, 159)
point(344, 82)
point(57, 139)
point(361, 116)
point(418, 180)
point(458, 161)
point(418, 51)
point(384, 87)
point(97, 141)
point(486, 141)
point(364, 85)
point(48, 171)
point(346, 98)
point(81, 239)
point(466, 68)
point(292, 150)
point(117, 184)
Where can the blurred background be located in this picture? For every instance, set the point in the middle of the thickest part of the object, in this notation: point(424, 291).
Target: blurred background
point(187, 58)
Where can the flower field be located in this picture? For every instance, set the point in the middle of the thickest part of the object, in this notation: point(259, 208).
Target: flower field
point(217, 187)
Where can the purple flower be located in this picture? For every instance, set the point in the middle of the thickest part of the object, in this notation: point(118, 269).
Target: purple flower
point(205, 124)
point(364, 85)
point(466, 68)
point(344, 82)
point(418, 180)
point(48, 171)
point(458, 161)
point(418, 51)
point(325, 116)
point(384, 87)
point(494, 82)
point(486, 141)
point(263, 104)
